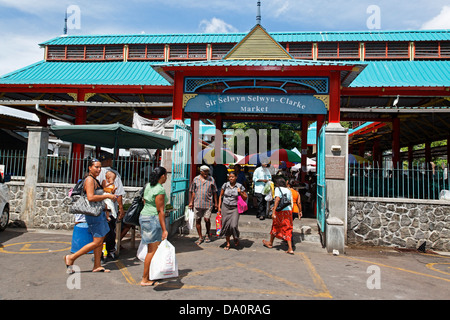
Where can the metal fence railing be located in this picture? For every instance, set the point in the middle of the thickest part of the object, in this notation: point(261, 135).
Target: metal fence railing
point(415, 182)
point(135, 171)
point(13, 163)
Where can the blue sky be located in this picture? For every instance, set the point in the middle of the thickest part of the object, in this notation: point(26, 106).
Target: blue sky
point(25, 23)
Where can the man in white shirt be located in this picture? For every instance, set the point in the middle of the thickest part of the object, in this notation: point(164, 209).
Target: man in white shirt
point(110, 238)
point(260, 177)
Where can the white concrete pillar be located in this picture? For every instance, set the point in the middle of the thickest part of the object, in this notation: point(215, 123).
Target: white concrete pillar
point(336, 176)
point(34, 171)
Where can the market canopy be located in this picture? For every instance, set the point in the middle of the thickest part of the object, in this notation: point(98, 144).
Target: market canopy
point(112, 136)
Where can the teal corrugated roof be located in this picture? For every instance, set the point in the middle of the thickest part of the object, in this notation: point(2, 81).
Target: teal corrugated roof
point(301, 36)
point(375, 74)
point(95, 73)
point(404, 74)
point(253, 63)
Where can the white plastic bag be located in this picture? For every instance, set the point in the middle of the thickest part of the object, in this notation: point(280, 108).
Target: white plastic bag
point(444, 195)
point(189, 218)
point(164, 264)
point(142, 251)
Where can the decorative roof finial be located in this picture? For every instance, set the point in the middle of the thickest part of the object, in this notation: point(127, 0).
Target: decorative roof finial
point(65, 24)
point(258, 12)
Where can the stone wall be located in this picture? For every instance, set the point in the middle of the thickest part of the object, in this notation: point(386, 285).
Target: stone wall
point(403, 223)
point(52, 204)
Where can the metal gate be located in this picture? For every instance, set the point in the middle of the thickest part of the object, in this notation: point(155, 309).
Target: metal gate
point(180, 171)
point(321, 185)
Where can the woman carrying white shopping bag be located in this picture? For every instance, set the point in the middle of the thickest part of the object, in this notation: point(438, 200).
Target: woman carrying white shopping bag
point(152, 219)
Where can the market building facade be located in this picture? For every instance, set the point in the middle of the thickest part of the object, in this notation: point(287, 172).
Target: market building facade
point(395, 83)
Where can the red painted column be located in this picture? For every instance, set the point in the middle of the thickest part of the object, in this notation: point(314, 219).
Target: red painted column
point(362, 149)
point(195, 119)
point(218, 140)
point(395, 142)
point(304, 147)
point(78, 149)
point(334, 113)
point(320, 118)
point(177, 110)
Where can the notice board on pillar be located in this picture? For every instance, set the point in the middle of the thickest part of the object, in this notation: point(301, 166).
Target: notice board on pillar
point(335, 167)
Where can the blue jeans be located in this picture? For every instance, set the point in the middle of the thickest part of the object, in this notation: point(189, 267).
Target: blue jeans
point(151, 230)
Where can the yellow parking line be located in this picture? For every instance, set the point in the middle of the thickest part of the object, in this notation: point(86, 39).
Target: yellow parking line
point(125, 272)
point(302, 290)
point(396, 268)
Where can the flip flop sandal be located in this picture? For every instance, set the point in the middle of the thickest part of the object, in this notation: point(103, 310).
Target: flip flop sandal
point(69, 267)
point(101, 269)
point(199, 241)
point(266, 244)
point(153, 284)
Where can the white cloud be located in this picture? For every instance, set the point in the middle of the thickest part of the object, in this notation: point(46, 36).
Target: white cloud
point(441, 21)
point(216, 25)
point(22, 51)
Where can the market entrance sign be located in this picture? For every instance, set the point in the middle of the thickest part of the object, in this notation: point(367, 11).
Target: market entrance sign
point(254, 103)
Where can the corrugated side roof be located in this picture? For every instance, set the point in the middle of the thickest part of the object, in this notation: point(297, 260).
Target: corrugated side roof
point(95, 73)
point(300, 36)
point(375, 74)
point(404, 74)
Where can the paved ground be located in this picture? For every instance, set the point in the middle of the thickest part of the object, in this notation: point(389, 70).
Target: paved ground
point(32, 267)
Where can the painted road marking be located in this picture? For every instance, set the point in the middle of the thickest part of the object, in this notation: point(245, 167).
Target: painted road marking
point(31, 247)
point(300, 290)
point(400, 269)
point(432, 266)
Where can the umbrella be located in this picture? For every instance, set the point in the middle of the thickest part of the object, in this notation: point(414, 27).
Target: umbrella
point(278, 155)
point(284, 165)
point(354, 159)
point(310, 165)
point(208, 155)
point(112, 136)
point(254, 158)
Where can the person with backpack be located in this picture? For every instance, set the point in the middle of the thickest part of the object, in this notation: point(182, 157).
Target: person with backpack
point(282, 222)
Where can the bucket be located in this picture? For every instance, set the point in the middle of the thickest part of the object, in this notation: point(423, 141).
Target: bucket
point(81, 237)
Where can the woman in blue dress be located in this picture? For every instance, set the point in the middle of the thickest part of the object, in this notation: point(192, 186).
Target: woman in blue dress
point(97, 226)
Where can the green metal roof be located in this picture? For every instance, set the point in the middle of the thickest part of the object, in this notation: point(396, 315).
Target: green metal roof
point(301, 36)
point(255, 63)
point(375, 73)
point(82, 73)
point(404, 74)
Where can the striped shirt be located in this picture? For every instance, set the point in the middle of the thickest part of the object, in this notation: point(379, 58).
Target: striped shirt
point(204, 190)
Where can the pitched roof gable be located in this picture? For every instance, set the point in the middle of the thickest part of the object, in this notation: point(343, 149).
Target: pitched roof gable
point(258, 45)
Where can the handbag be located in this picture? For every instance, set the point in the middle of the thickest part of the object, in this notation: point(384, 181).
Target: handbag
point(134, 211)
point(83, 206)
point(242, 205)
point(284, 201)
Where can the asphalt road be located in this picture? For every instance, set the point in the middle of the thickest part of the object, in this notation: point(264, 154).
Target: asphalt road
point(32, 267)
